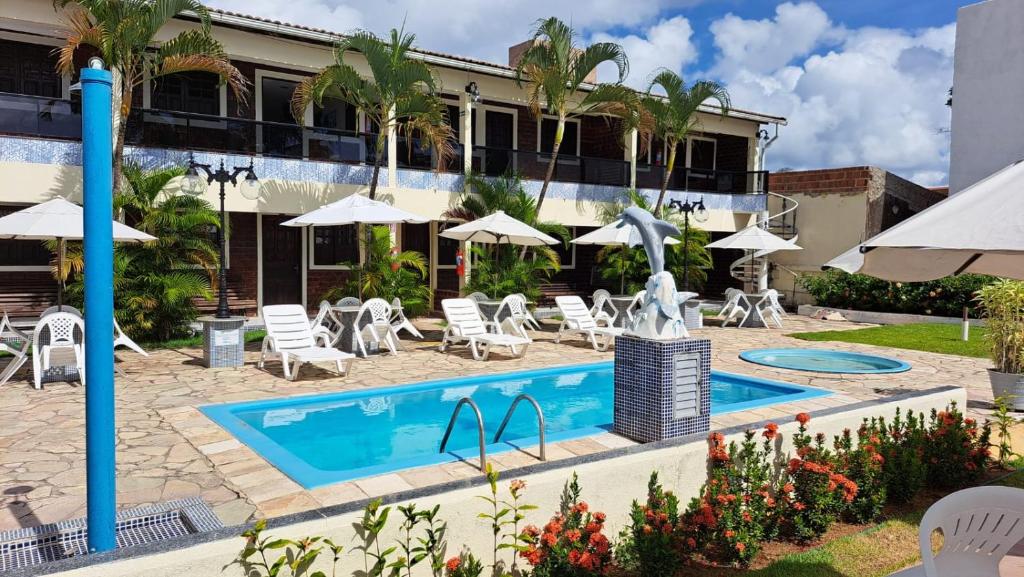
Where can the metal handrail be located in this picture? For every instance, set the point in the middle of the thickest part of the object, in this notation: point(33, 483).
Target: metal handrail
point(540, 421)
point(479, 425)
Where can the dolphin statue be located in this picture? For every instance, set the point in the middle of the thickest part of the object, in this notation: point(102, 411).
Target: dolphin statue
point(651, 232)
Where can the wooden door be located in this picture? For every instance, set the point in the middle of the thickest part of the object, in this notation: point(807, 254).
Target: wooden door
point(282, 261)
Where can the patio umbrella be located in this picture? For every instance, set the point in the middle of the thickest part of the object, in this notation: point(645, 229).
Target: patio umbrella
point(614, 235)
point(755, 238)
point(978, 230)
point(499, 228)
point(355, 209)
point(60, 220)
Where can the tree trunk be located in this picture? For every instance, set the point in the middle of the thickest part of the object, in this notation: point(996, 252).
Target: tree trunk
point(376, 168)
point(559, 132)
point(668, 174)
point(122, 104)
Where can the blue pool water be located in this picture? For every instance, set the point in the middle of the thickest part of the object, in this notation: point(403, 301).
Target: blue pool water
point(322, 439)
point(823, 361)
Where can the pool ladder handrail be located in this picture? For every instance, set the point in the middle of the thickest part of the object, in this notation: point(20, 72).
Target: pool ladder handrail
point(480, 430)
point(540, 421)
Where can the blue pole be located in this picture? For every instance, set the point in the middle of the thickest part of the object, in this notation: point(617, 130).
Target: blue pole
point(97, 154)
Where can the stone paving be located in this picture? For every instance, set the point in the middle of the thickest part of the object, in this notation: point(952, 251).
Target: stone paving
point(166, 449)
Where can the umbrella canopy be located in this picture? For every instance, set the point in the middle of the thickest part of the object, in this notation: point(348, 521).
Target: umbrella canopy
point(499, 228)
point(58, 219)
point(978, 230)
point(355, 209)
point(755, 238)
point(613, 235)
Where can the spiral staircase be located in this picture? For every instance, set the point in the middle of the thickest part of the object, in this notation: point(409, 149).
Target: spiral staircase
point(747, 269)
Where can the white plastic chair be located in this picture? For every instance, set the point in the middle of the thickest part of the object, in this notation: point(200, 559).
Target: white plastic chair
point(635, 305)
point(123, 340)
point(465, 324)
point(600, 309)
point(63, 309)
point(327, 323)
point(378, 312)
point(65, 332)
point(516, 307)
point(478, 296)
point(399, 322)
point(731, 310)
point(768, 307)
point(19, 353)
point(576, 319)
point(530, 320)
point(979, 526)
point(291, 339)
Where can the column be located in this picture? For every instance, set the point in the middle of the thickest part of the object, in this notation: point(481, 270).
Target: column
point(466, 131)
point(630, 145)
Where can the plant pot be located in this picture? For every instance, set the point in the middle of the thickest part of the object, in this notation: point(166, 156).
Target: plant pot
point(1008, 385)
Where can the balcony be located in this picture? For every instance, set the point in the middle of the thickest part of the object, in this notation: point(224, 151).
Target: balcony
point(703, 180)
point(534, 166)
point(25, 115)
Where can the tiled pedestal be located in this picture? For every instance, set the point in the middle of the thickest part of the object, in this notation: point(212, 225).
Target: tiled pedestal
point(662, 388)
point(223, 341)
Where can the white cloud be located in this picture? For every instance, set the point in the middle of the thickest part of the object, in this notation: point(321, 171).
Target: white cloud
point(666, 44)
point(864, 96)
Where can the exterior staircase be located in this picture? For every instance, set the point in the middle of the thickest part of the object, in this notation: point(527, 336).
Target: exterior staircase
point(747, 268)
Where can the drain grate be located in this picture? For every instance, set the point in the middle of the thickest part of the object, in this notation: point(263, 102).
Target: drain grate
point(37, 545)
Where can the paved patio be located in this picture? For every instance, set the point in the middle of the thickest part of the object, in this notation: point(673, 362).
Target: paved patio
point(167, 449)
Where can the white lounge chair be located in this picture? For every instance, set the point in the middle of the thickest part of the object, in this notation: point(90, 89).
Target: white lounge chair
point(576, 319)
point(291, 339)
point(600, 309)
point(19, 352)
point(378, 313)
point(979, 526)
point(516, 319)
point(465, 324)
point(731, 310)
point(399, 322)
point(635, 305)
point(65, 333)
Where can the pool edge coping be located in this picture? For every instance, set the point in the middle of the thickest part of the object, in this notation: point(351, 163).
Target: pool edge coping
point(235, 531)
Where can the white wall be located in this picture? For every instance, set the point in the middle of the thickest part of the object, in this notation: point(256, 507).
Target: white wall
point(988, 91)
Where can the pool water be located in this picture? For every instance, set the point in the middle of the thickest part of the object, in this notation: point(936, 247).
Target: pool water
point(329, 438)
point(824, 361)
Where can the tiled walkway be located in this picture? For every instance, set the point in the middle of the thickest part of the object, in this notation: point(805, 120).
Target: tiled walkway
point(168, 450)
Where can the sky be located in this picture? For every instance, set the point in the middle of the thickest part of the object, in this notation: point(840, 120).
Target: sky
point(861, 82)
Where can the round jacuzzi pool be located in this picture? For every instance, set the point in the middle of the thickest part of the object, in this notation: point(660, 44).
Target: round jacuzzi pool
point(822, 361)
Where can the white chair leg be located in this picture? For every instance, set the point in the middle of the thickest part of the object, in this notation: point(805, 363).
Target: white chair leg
point(359, 341)
point(473, 347)
point(296, 365)
point(285, 367)
point(522, 353)
point(593, 341)
point(263, 354)
point(486, 351)
point(37, 371)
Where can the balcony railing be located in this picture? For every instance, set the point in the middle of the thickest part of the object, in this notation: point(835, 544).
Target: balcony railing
point(534, 165)
point(26, 115)
point(703, 180)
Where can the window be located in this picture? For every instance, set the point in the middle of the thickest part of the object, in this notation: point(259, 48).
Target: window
point(570, 138)
point(22, 254)
point(195, 92)
point(333, 245)
point(335, 113)
point(702, 153)
point(28, 69)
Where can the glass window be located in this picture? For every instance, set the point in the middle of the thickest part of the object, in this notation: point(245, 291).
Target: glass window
point(335, 113)
point(570, 139)
point(28, 69)
point(702, 154)
point(195, 92)
point(21, 253)
point(333, 245)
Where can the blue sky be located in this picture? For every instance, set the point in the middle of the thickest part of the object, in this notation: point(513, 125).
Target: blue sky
point(861, 82)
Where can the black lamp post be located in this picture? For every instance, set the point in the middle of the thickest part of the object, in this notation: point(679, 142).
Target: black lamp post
point(700, 214)
point(195, 184)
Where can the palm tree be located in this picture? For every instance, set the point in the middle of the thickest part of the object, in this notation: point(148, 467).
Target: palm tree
point(554, 70)
point(401, 92)
point(629, 266)
point(123, 32)
point(674, 116)
point(500, 269)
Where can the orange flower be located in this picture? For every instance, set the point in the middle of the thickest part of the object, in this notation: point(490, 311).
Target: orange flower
point(788, 488)
point(729, 534)
point(799, 506)
point(741, 547)
point(770, 431)
point(803, 418)
point(453, 564)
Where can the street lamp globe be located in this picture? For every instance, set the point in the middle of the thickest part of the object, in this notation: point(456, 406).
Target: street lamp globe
point(700, 212)
point(251, 187)
point(193, 183)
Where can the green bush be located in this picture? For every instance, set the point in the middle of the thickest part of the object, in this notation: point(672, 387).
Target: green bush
point(945, 297)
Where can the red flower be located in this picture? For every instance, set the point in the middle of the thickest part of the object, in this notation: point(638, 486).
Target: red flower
point(599, 517)
point(549, 539)
point(803, 418)
point(799, 506)
point(582, 507)
point(531, 530)
point(453, 564)
point(741, 547)
point(691, 542)
point(770, 431)
point(788, 488)
point(729, 534)
point(648, 529)
point(573, 535)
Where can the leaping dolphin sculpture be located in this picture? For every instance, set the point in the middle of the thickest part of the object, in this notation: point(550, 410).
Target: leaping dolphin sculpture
point(651, 232)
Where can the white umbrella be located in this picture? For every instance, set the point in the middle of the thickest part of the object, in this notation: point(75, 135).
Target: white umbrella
point(60, 220)
point(978, 230)
point(755, 238)
point(499, 228)
point(355, 209)
point(615, 235)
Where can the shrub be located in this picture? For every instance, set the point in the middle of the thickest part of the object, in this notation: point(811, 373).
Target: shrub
point(956, 451)
point(1002, 303)
point(942, 297)
point(572, 543)
point(652, 537)
point(816, 494)
point(904, 472)
point(465, 565)
point(862, 464)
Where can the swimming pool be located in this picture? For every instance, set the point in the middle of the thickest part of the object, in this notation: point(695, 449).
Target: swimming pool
point(322, 439)
point(824, 361)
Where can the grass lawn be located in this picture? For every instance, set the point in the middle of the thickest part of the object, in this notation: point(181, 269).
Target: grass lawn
point(929, 337)
point(196, 341)
point(875, 552)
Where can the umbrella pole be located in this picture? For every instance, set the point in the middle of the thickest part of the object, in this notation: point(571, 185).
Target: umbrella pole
point(60, 275)
point(622, 271)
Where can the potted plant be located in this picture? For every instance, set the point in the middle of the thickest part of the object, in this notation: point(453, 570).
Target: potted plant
point(1002, 304)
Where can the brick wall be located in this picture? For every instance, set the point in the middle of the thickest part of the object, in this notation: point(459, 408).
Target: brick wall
point(850, 180)
point(318, 282)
